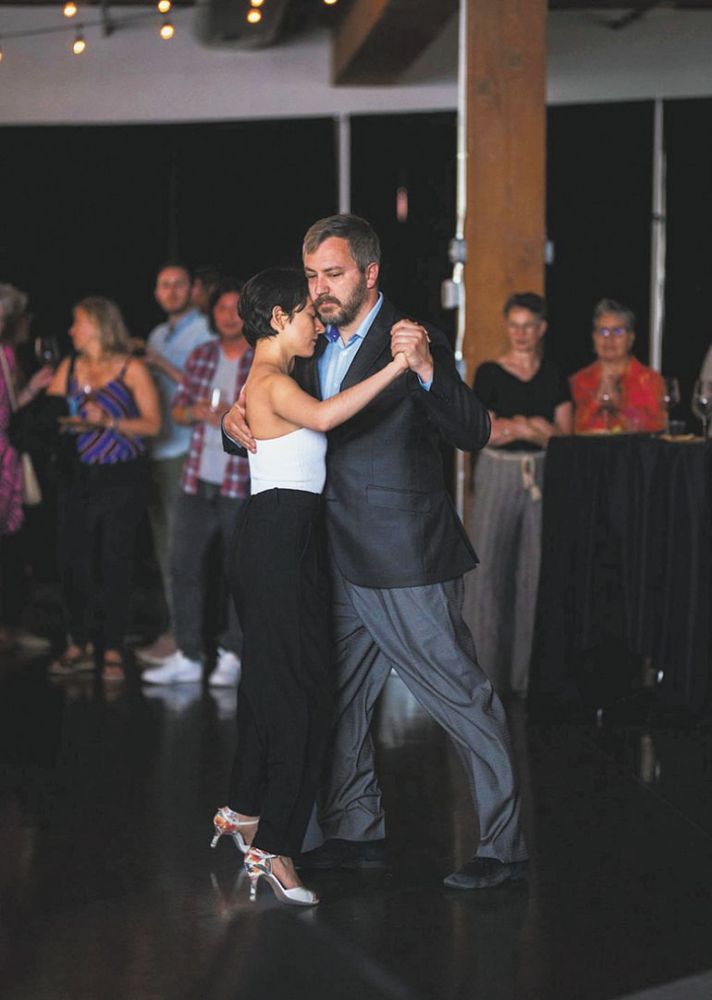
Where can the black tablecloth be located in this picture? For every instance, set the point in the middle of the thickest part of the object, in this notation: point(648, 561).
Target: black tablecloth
point(626, 562)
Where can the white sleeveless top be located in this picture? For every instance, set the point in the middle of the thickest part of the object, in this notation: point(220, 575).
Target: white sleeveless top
point(295, 461)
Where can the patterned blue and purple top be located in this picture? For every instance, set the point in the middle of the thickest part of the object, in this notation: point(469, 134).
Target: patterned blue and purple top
point(103, 445)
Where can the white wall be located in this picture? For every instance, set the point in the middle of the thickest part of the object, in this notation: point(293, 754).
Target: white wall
point(133, 76)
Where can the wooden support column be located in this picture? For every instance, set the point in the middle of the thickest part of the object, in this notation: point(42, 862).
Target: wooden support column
point(505, 227)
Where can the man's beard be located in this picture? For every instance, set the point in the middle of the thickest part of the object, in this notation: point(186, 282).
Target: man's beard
point(349, 310)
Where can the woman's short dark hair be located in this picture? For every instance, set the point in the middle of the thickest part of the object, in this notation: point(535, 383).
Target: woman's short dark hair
point(224, 287)
point(526, 300)
point(285, 287)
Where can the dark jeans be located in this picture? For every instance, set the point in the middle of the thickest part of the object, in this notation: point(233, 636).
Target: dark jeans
point(200, 519)
point(285, 703)
point(99, 509)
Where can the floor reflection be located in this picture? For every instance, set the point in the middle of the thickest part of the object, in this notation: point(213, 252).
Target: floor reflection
point(108, 886)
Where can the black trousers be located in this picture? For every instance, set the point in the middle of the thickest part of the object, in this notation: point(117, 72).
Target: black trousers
point(286, 693)
point(99, 509)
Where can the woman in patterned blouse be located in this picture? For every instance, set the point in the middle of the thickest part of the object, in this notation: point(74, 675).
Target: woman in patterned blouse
point(113, 406)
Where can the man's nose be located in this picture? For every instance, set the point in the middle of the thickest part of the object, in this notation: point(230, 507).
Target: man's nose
point(321, 285)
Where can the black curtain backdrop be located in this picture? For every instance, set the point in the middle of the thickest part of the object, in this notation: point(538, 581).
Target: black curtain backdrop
point(97, 209)
point(688, 319)
point(599, 195)
point(418, 153)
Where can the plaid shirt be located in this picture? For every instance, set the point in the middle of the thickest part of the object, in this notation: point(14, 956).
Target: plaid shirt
point(195, 387)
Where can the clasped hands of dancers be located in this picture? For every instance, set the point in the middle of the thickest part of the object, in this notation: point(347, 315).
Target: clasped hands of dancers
point(369, 531)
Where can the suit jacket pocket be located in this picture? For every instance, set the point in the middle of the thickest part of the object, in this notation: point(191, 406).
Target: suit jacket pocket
point(382, 496)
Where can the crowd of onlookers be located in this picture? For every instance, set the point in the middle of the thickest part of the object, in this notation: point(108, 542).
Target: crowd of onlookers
point(133, 426)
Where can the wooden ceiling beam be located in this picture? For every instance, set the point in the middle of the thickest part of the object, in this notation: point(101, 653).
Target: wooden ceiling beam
point(379, 39)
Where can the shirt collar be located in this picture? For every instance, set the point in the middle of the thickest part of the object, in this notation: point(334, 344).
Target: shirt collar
point(183, 322)
point(332, 332)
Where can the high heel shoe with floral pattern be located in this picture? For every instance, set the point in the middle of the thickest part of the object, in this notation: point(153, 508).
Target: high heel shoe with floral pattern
point(258, 864)
point(227, 824)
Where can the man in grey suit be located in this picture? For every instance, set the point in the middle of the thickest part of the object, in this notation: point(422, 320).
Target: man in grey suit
point(399, 553)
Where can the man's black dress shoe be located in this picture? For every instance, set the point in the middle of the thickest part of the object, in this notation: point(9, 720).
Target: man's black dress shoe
point(484, 873)
point(349, 854)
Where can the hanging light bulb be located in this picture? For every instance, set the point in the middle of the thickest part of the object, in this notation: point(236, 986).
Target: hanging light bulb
point(167, 31)
point(79, 43)
point(330, 3)
point(164, 6)
point(257, 3)
point(70, 9)
point(254, 16)
point(1, 53)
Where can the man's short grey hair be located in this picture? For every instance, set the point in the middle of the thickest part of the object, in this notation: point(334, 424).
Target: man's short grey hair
point(363, 243)
point(611, 306)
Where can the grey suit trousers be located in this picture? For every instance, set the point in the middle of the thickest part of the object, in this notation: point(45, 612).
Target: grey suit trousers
point(419, 631)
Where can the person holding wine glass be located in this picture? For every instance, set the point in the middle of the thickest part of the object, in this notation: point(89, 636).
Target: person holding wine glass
point(617, 393)
point(703, 390)
point(114, 407)
point(214, 487)
point(14, 555)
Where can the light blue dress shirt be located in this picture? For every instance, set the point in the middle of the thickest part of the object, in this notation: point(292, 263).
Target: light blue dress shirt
point(338, 357)
point(175, 343)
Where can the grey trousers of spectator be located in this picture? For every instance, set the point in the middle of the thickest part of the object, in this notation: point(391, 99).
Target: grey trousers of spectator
point(419, 631)
point(200, 519)
point(500, 595)
point(165, 476)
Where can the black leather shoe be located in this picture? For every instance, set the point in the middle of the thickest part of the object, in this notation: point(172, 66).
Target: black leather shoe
point(351, 855)
point(484, 873)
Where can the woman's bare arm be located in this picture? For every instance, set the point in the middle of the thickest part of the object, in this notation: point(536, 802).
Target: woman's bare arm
point(291, 403)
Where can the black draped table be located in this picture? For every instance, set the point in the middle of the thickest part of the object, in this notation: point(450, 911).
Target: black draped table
point(626, 568)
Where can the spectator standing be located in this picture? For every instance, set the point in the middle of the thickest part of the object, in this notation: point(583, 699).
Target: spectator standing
point(529, 402)
point(616, 394)
point(114, 407)
point(214, 488)
point(13, 314)
point(167, 351)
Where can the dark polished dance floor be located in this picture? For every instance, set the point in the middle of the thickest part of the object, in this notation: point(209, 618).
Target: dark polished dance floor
point(108, 888)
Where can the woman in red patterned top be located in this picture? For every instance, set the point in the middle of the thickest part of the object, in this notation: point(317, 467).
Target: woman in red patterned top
point(616, 394)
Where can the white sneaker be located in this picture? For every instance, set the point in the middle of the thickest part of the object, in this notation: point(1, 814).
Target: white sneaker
point(227, 670)
point(177, 669)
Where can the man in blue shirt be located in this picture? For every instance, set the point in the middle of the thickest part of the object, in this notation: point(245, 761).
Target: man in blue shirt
point(398, 554)
point(167, 350)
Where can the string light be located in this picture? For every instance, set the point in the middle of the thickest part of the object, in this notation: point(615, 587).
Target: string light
point(164, 6)
point(70, 9)
point(167, 31)
point(254, 16)
point(257, 3)
point(79, 43)
point(330, 3)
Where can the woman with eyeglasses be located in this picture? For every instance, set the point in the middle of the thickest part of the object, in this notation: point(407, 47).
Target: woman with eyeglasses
point(616, 394)
point(529, 402)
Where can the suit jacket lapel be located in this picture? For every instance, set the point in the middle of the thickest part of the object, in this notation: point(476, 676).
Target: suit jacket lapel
point(306, 370)
point(376, 341)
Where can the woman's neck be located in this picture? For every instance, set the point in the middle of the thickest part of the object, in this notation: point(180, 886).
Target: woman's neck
point(615, 368)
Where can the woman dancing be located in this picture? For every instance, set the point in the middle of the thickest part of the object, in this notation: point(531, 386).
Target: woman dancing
point(281, 587)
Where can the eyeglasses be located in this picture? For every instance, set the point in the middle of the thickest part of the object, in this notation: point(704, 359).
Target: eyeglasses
point(611, 331)
point(528, 327)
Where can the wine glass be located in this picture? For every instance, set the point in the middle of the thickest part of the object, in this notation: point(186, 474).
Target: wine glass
point(702, 403)
point(47, 351)
point(216, 398)
point(671, 397)
point(609, 397)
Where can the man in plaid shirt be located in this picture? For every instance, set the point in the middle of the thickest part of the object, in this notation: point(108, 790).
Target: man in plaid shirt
point(214, 487)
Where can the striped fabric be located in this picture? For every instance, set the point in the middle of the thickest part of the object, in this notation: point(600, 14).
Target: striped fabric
point(103, 445)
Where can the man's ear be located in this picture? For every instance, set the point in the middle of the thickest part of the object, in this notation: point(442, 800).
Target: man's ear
point(372, 272)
